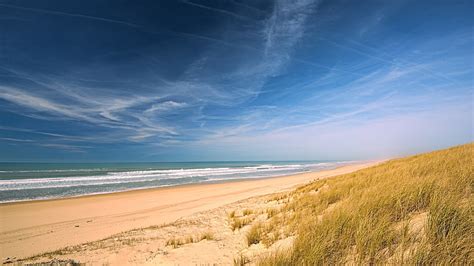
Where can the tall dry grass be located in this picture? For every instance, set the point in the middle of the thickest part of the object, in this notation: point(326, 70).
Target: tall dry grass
point(415, 210)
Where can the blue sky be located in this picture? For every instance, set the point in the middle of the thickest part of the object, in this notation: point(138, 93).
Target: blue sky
point(233, 80)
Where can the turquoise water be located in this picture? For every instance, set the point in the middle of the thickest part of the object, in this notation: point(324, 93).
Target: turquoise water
point(32, 181)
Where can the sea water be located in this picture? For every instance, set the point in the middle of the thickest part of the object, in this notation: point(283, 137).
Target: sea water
point(33, 181)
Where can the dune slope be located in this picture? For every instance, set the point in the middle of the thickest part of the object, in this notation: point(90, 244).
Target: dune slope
point(412, 210)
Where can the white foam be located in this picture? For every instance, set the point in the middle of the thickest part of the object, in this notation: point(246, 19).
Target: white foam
point(157, 177)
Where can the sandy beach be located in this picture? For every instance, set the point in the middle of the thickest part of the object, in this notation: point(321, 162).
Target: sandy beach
point(31, 228)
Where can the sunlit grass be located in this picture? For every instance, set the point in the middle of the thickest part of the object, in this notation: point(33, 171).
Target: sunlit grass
point(247, 212)
point(254, 235)
point(238, 223)
point(372, 216)
point(177, 242)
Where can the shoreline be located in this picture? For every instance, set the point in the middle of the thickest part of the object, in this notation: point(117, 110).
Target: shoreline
point(236, 180)
point(4, 203)
point(29, 228)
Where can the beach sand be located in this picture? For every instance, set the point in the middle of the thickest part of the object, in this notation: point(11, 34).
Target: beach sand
point(31, 228)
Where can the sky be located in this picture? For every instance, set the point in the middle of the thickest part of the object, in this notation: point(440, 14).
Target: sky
point(193, 80)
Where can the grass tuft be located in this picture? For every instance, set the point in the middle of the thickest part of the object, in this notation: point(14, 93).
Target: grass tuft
point(255, 234)
point(238, 223)
point(241, 260)
point(247, 212)
point(207, 236)
point(271, 212)
point(177, 242)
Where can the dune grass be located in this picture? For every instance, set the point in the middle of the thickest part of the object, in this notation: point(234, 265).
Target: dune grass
point(415, 210)
point(247, 212)
point(255, 234)
point(238, 223)
point(177, 242)
point(241, 260)
point(206, 236)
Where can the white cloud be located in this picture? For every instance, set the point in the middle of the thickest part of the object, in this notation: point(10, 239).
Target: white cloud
point(38, 103)
point(165, 106)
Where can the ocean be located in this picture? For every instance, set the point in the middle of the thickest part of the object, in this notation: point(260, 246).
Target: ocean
point(33, 181)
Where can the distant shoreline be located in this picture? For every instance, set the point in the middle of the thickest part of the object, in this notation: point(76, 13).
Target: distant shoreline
point(139, 190)
point(41, 184)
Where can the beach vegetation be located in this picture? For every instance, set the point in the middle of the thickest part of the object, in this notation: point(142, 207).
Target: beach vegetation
point(238, 223)
point(241, 260)
point(247, 212)
point(176, 242)
point(278, 197)
point(271, 212)
point(206, 236)
point(255, 234)
point(414, 210)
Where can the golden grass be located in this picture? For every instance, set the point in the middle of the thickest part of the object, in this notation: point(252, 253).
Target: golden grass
point(241, 260)
point(177, 242)
point(367, 217)
point(238, 223)
point(271, 212)
point(255, 234)
point(206, 236)
point(247, 212)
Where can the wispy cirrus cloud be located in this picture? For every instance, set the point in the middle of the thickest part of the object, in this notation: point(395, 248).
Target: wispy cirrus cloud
point(165, 106)
point(218, 10)
point(139, 113)
point(17, 140)
point(385, 91)
point(60, 13)
point(228, 73)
